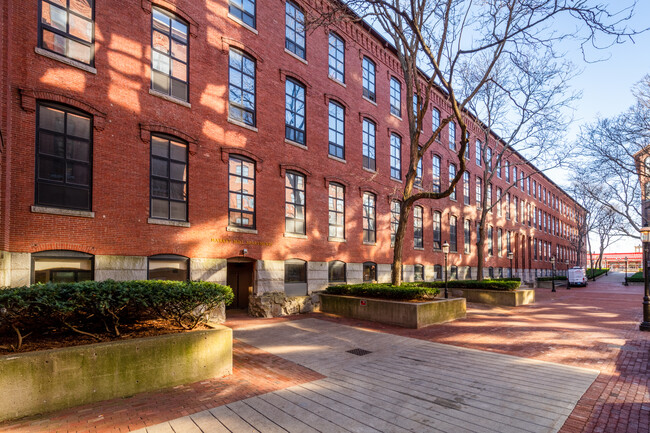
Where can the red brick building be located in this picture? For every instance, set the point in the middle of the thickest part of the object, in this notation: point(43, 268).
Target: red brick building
point(183, 139)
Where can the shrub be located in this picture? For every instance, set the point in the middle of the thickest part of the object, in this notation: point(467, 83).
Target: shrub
point(86, 307)
point(509, 284)
point(557, 278)
point(407, 291)
point(591, 273)
point(636, 278)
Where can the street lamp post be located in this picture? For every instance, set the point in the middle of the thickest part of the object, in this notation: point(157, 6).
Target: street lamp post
point(445, 249)
point(510, 256)
point(645, 239)
point(553, 274)
point(625, 283)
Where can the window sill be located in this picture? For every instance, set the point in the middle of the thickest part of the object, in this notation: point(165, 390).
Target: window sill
point(296, 56)
point(295, 235)
point(330, 239)
point(336, 158)
point(369, 170)
point(370, 243)
point(370, 100)
point(170, 98)
point(168, 222)
point(396, 116)
point(418, 249)
point(341, 83)
point(241, 230)
point(243, 125)
point(64, 212)
point(63, 59)
point(243, 24)
point(396, 180)
point(295, 143)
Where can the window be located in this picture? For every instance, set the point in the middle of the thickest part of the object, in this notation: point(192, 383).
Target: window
point(418, 234)
point(294, 213)
point(168, 178)
point(488, 192)
point(507, 171)
point(395, 157)
point(61, 266)
point(490, 241)
point(508, 205)
point(478, 232)
point(499, 204)
point(452, 175)
point(395, 97)
point(418, 272)
point(243, 10)
point(453, 273)
point(418, 170)
point(394, 220)
point(337, 57)
point(169, 54)
point(369, 87)
point(294, 128)
point(369, 272)
point(479, 153)
point(491, 272)
point(516, 205)
point(437, 235)
point(498, 167)
point(488, 158)
point(369, 218)
point(528, 185)
point(453, 234)
point(295, 277)
point(499, 242)
point(241, 192)
point(66, 28)
point(336, 130)
point(168, 267)
point(63, 158)
point(241, 88)
point(368, 140)
point(466, 188)
point(514, 176)
point(528, 214)
point(294, 29)
point(508, 246)
point(467, 235)
point(436, 173)
point(336, 272)
point(336, 211)
point(535, 249)
point(437, 272)
point(522, 178)
point(479, 192)
point(435, 121)
point(535, 188)
point(452, 135)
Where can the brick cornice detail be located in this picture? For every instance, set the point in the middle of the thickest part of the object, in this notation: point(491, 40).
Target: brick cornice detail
point(334, 179)
point(28, 99)
point(47, 246)
point(230, 42)
point(292, 167)
point(284, 73)
point(365, 188)
point(169, 5)
point(227, 151)
point(147, 128)
point(329, 96)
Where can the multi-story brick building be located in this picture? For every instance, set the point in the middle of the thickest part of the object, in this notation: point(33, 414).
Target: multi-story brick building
point(219, 141)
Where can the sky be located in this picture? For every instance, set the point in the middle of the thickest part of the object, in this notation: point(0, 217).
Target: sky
point(606, 87)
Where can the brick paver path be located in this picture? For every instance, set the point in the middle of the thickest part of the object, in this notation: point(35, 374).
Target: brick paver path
point(594, 327)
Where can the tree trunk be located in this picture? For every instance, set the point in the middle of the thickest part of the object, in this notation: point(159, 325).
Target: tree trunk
point(480, 250)
point(396, 273)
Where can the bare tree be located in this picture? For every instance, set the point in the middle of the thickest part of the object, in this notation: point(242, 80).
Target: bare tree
point(607, 231)
point(437, 42)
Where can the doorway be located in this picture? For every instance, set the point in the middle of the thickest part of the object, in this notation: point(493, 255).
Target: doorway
point(240, 279)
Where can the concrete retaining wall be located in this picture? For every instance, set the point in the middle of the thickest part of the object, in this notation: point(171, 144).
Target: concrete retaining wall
point(406, 314)
point(497, 297)
point(48, 380)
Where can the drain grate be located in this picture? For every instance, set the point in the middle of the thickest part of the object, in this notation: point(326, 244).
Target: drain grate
point(359, 352)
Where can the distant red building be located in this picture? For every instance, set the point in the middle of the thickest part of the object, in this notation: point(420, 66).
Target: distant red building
point(181, 139)
point(616, 261)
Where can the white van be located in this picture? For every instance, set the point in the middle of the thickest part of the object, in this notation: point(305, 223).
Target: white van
point(577, 276)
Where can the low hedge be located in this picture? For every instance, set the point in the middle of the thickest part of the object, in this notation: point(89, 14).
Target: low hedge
point(506, 284)
point(591, 273)
point(95, 307)
point(557, 277)
point(405, 292)
point(636, 278)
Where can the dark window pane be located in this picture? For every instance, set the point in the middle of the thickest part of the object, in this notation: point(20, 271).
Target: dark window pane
point(160, 209)
point(51, 169)
point(50, 144)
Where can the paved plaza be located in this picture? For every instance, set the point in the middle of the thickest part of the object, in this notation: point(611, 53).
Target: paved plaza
point(573, 362)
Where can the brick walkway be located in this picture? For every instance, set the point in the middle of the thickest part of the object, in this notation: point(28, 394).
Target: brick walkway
point(593, 327)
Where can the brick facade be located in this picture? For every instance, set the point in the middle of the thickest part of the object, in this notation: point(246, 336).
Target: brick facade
point(115, 91)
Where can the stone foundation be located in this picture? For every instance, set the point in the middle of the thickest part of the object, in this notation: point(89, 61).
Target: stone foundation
point(277, 304)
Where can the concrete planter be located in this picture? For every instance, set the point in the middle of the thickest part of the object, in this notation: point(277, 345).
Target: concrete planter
point(506, 298)
point(48, 380)
point(406, 314)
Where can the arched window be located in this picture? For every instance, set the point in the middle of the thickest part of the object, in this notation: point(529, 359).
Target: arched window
point(437, 272)
point(418, 272)
point(62, 266)
point(491, 272)
point(241, 87)
point(295, 277)
point(437, 230)
point(168, 267)
point(241, 192)
point(418, 234)
point(295, 29)
point(369, 218)
point(169, 54)
point(394, 219)
point(67, 29)
point(453, 273)
point(369, 272)
point(168, 178)
point(336, 57)
point(336, 272)
point(436, 173)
